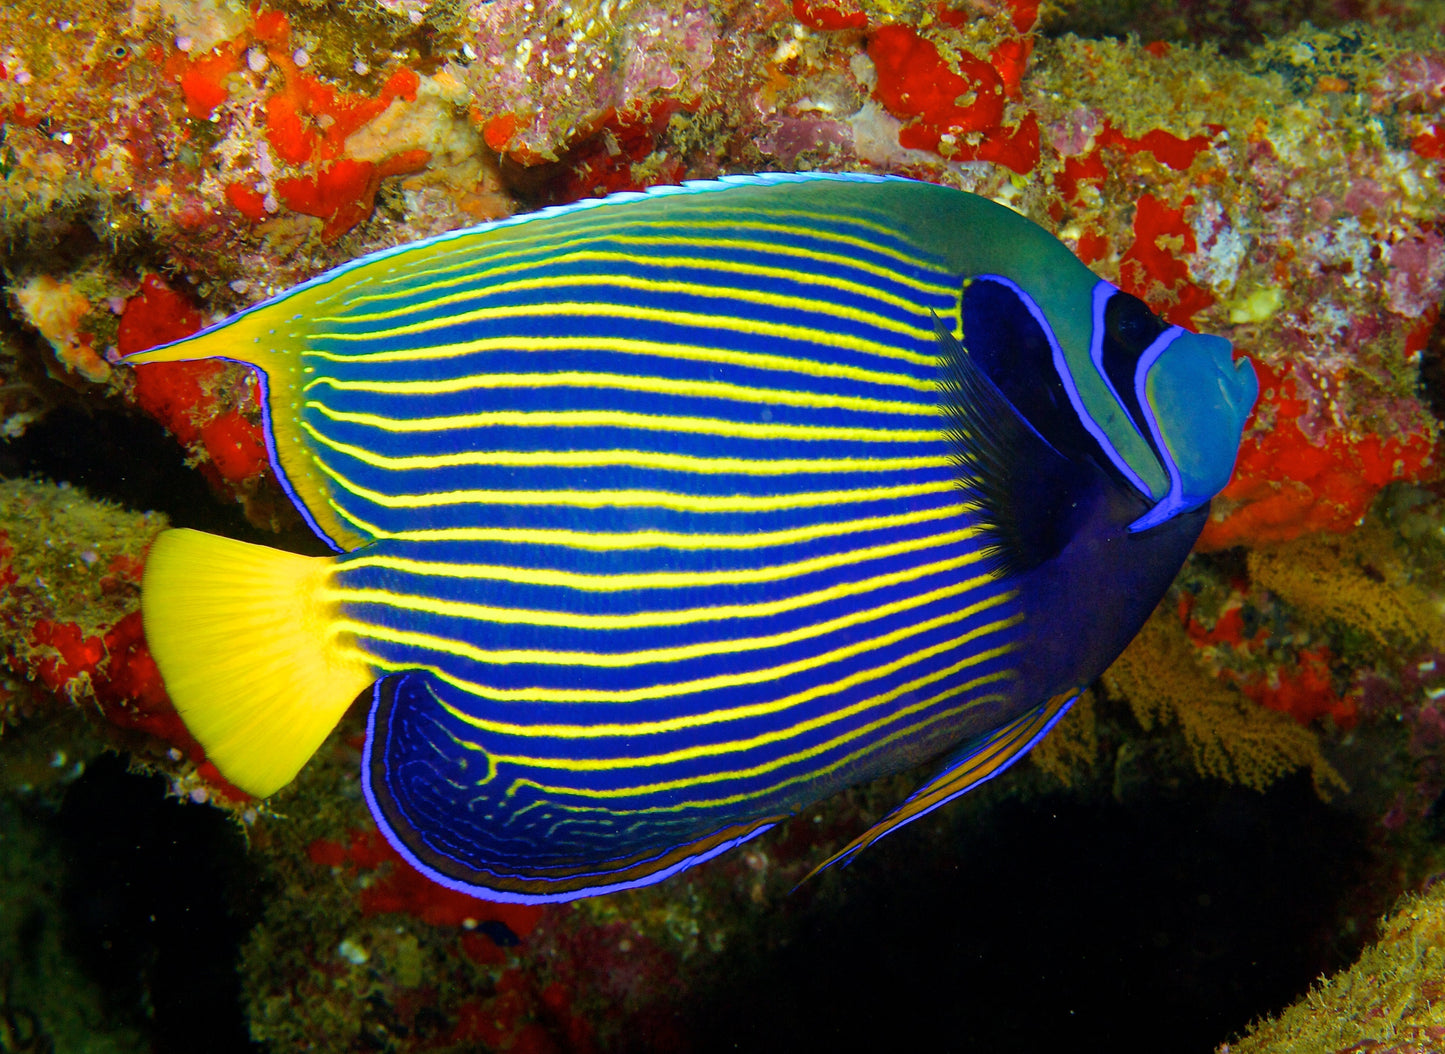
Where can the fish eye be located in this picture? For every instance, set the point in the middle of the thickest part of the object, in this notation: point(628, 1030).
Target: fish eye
point(1130, 324)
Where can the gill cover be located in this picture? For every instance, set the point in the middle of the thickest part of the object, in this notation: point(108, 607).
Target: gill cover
point(1163, 406)
point(1090, 368)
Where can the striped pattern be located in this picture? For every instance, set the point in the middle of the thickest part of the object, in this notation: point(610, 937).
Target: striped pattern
point(978, 762)
point(664, 536)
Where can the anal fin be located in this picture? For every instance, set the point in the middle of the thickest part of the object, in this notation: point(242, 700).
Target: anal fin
point(978, 762)
point(451, 819)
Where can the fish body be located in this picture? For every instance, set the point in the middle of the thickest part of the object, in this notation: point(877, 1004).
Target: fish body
point(662, 516)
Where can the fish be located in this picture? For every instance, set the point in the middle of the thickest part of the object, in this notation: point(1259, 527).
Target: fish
point(662, 516)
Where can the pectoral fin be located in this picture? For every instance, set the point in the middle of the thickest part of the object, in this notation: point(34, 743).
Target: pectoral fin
point(976, 763)
point(1025, 490)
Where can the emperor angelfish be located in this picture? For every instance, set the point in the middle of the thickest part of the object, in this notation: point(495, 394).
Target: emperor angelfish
point(659, 517)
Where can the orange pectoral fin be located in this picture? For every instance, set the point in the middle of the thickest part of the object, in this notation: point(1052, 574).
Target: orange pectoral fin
point(975, 764)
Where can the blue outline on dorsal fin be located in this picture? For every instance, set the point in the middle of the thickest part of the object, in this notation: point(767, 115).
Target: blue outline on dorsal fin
point(689, 186)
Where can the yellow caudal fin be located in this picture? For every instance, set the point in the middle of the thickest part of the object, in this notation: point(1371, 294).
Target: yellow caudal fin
point(246, 643)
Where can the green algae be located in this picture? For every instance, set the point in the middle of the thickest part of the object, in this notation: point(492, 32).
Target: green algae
point(75, 558)
point(1391, 1001)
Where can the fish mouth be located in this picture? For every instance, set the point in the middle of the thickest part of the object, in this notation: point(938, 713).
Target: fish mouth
point(1238, 383)
point(1200, 399)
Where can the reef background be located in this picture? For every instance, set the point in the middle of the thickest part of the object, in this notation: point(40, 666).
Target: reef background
point(1220, 822)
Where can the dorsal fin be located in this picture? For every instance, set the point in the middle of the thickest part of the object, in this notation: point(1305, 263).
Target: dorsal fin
point(1026, 490)
point(978, 762)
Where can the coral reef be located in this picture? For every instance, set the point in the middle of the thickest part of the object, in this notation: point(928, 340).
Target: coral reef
point(1386, 1003)
point(1278, 181)
point(1229, 738)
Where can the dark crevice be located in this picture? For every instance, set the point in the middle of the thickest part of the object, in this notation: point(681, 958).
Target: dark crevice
point(1055, 924)
point(159, 895)
point(123, 458)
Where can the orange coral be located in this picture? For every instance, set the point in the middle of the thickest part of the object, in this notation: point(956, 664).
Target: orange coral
point(917, 84)
point(1152, 270)
point(307, 122)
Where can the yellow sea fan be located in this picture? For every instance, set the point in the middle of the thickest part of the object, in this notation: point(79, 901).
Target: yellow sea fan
point(1230, 737)
point(1358, 579)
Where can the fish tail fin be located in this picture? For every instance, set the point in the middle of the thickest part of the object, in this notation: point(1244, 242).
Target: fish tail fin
point(248, 646)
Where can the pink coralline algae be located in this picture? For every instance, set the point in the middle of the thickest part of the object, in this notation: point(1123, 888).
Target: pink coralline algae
point(537, 89)
point(1416, 274)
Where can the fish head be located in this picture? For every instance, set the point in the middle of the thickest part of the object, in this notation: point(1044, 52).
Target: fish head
point(1170, 405)
point(1197, 398)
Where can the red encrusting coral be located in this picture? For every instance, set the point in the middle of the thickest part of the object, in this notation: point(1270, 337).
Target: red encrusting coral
point(1228, 628)
point(917, 84)
point(343, 192)
point(182, 395)
point(1166, 147)
point(497, 131)
point(235, 446)
point(829, 15)
point(249, 201)
point(308, 119)
point(115, 669)
point(1285, 485)
point(1431, 144)
point(403, 889)
point(1151, 267)
point(307, 123)
point(607, 158)
point(519, 1017)
point(1298, 683)
point(202, 80)
point(174, 393)
point(8, 577)
point(1305, 692)
point(1085, 168)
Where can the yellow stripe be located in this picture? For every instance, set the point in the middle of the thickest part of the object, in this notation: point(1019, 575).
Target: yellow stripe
point(457, 609)
point(812, 306)
point(644, 459)
point(705, 750)
point(679, 653)
point(652, 499)
point(750, 328)
point(525, 242)
point(625, 346)
point(739, 746)
point(703, 684)
point(481, 283)
point(739, 393)
point(667, 786)
point(602, 541)
point(613, 583)
point(882, 699)
point(627, 419)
